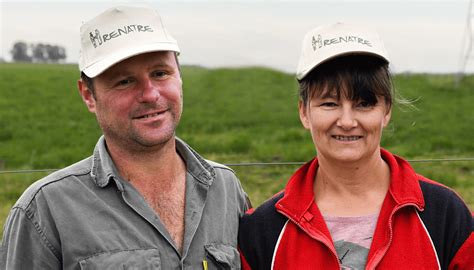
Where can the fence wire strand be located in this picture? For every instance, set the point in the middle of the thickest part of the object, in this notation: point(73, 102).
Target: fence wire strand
point(263, 164)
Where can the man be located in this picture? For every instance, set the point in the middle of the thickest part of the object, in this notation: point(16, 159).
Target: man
point(144, 199)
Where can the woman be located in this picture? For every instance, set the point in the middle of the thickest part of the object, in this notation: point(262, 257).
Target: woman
point(354, 206)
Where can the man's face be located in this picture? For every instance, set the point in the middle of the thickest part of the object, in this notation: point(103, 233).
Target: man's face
point(138, 102)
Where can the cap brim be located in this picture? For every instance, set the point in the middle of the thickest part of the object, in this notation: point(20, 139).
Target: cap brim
point(380, 55)
point(100, 66)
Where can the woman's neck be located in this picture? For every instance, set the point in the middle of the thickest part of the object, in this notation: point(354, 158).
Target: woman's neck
point(351, 189)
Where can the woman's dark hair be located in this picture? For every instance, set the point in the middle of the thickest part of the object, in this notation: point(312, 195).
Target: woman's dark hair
point(355, 77)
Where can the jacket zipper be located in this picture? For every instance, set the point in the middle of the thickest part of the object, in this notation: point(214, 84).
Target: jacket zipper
point(377, 259)
point(330, 247)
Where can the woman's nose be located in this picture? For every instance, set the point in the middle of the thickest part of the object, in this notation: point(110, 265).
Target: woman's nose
point(347, 119)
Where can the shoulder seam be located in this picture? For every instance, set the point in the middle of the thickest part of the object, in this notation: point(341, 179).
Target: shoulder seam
point(277, 245)
point(216, 165)
point(41, 234)
point(430, 238)
point(43, 185)
point(445, 188)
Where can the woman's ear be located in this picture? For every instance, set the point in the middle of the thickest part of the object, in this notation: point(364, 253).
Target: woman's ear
point(303, 114)
point(386, 118)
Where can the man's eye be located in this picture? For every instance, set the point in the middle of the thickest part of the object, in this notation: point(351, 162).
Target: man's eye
point(124, 82)
point(159, 74)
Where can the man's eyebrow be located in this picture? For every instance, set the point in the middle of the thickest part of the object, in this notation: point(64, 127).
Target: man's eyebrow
point(161, 64)
point(118, 74)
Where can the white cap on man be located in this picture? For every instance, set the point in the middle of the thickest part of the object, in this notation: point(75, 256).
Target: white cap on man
point(327, 42)
point(119, 33)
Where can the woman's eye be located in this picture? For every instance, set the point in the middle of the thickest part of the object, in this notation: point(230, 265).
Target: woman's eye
point(328, 104)
point(364, 104)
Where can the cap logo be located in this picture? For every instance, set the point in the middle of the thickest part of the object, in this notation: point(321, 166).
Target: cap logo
point(97, 39)
point(319, 42)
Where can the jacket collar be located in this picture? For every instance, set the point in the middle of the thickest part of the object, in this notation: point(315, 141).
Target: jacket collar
point(299, 196)
point(404, 182)
point(103, 168)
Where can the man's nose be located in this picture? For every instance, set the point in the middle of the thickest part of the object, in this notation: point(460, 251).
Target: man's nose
point(150, 91)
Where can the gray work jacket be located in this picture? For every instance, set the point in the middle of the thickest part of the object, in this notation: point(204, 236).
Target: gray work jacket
point(87, 217)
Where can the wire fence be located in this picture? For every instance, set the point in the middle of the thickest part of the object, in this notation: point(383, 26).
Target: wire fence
point(265, 164)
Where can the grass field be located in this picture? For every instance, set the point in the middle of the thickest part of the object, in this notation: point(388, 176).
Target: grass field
point(231, 116)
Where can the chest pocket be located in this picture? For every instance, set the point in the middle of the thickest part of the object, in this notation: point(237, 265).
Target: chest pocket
point(220, 256)
point(124, 259)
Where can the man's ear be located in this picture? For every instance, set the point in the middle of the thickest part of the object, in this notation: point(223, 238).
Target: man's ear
point(86, 95)
point(303, 114)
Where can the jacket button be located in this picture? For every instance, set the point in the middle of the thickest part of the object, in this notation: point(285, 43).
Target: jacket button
point(308, 216)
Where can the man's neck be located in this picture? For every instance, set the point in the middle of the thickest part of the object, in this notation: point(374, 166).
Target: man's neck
point(147, 163)
point(160, 177)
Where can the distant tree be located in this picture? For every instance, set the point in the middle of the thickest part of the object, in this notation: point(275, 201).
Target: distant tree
point(55, 53)
point(20, 52)
point(38, 53)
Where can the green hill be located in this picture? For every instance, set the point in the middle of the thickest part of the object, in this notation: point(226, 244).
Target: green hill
point(231, 116)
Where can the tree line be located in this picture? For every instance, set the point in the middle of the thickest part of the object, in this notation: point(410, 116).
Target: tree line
point(37, 53)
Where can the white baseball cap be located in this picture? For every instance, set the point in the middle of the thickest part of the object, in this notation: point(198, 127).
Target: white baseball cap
point(330, 41)
point(119, 33)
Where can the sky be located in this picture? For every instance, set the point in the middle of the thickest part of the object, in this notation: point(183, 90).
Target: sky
point(420, 35)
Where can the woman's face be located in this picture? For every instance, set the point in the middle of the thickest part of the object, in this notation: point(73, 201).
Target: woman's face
point(343, 130)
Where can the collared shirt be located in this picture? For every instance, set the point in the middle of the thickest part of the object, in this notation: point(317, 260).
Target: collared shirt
point(87, 217)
